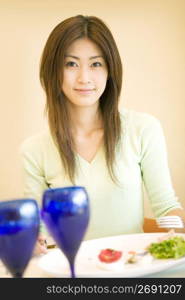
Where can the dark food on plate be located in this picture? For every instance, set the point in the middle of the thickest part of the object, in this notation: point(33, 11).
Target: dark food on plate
point(51, 246)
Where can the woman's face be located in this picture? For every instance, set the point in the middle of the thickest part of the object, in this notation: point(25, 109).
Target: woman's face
point(85, 73)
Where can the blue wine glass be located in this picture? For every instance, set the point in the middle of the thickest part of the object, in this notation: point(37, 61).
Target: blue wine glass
point(65, 212)
point(19, 228)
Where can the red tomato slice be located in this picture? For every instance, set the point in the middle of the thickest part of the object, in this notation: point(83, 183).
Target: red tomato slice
point(109, 255)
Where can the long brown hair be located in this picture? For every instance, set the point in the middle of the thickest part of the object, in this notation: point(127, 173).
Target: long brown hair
point(52, 62)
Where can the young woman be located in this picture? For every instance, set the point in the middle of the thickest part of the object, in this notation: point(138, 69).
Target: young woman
point(89, 141)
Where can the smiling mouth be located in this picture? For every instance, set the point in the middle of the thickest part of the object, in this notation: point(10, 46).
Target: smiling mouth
point(84, 91)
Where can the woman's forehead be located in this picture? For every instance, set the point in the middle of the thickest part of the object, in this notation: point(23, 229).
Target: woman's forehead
point(84, 47)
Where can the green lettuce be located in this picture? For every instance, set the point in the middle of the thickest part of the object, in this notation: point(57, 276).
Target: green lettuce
point(173, 247)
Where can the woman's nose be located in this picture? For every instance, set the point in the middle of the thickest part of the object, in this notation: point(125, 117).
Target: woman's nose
point(84, 75)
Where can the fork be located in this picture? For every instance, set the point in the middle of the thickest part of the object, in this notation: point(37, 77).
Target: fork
point(170, 222)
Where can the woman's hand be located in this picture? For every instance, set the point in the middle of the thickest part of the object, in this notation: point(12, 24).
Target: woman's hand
point(41, 245)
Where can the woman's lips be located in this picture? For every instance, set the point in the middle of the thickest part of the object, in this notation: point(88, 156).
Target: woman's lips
point(85, 91)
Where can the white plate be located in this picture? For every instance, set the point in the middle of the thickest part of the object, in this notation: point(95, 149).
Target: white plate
point(88, 265)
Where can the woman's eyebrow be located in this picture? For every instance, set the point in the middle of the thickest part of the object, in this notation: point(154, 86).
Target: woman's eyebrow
point(78, 58)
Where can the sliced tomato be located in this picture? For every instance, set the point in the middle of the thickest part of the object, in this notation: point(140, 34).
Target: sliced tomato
point(109, 255)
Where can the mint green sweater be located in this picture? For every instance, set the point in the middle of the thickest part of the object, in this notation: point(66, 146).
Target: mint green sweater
point(141, 161)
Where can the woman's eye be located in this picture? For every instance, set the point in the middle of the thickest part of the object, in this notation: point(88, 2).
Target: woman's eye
point(71, 64)
point(97, 64)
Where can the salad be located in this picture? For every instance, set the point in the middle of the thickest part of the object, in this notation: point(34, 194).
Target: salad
point(173, 247)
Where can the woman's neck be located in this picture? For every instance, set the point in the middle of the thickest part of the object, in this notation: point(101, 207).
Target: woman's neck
point(85, 120)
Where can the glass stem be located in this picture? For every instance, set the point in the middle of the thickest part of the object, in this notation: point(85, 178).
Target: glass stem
point(72, 268)
point(17, 275)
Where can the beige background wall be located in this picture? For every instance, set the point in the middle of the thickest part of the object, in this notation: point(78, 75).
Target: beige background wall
point(150, 35)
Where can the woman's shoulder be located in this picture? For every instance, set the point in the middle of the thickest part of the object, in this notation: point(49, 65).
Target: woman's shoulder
point(137, 119)
point(36, 142)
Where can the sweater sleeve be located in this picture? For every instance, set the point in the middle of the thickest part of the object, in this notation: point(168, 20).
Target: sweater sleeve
point(33, 176)
point(33, 173)
point(155, 170)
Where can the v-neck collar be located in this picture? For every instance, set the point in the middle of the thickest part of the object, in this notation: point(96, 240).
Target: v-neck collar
point(94, 158)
